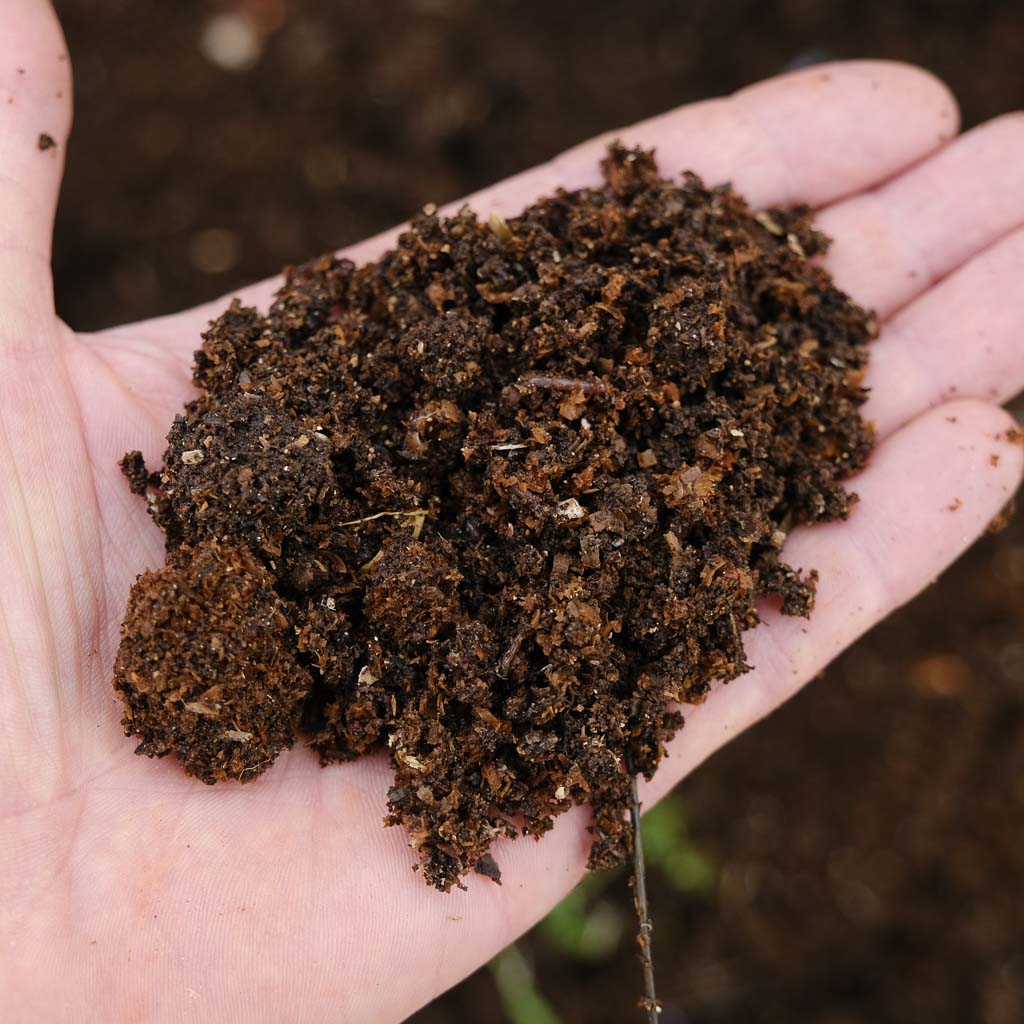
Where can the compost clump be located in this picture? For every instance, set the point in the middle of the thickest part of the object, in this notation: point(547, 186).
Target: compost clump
point(497, 503)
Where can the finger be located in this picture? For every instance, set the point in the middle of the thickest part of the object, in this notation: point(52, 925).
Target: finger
point(35, 120)
point(893, 243)
point(813, 135)
point(962, 339)
point(930, 490)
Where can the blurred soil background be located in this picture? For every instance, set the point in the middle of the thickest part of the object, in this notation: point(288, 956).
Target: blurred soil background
point(859, 857)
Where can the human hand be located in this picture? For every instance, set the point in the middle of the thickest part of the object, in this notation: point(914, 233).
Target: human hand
point(128, 890)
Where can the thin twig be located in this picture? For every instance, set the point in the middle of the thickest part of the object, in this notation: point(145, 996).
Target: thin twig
point(380, 515)
point(587, 386)
point(649, 1003)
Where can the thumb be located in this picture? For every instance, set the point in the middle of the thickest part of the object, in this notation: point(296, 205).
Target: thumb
point(35, 121)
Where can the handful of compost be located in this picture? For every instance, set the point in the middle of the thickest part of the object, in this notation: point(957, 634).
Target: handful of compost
point(497, 503)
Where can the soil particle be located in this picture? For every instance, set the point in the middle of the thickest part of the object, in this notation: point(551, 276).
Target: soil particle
point(1003, 518)
point(497, 503)
point(46, 142)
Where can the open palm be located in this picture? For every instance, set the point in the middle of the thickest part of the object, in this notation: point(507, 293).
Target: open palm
point(129, 891)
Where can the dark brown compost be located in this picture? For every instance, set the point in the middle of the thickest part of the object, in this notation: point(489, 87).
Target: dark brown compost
point(497, 503)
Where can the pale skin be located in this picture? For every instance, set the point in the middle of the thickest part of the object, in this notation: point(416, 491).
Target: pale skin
point(129, 892)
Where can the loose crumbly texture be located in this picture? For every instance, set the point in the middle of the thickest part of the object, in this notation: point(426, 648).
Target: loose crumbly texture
point(211, 643)
point(502, 500)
